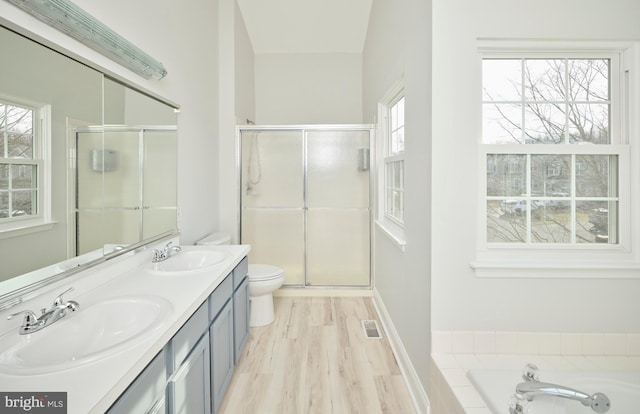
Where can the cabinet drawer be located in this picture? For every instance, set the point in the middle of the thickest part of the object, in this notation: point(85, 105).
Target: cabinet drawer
point(187, 337)
point(220, 296)
point(240, 272)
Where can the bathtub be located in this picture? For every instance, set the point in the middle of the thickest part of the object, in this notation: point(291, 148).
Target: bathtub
point(623, 389)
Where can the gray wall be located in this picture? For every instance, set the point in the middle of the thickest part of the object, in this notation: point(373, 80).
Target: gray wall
point(399, 44)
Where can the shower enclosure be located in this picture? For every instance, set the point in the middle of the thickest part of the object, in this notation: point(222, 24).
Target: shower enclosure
point(125, 185)
point(305, 202)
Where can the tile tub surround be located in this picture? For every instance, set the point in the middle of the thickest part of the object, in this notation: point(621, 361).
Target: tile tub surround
point(109, 377)
point(455, 353)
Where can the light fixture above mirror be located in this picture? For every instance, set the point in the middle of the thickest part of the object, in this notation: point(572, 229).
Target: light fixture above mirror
point(68, 18)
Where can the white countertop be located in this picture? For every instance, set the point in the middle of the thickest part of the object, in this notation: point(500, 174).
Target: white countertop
point(94, 386)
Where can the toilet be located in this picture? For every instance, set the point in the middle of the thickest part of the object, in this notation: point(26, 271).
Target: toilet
point(264, 279)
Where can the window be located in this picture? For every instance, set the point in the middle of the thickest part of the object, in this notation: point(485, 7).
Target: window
point(391, 190)
point(394, 164)
point(556, 178)
point(21, 165)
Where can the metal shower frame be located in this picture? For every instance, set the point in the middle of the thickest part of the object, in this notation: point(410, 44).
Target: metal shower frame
point(304, 129)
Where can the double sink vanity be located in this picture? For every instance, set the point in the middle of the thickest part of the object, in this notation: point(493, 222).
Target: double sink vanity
point(139, 336)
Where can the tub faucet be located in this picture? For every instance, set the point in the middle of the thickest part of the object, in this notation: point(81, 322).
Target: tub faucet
point(532, 387)
point(33, 323)
point(164, 254)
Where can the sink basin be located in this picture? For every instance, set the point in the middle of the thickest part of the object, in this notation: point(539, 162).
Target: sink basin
point(93, 332)
point(188, 261)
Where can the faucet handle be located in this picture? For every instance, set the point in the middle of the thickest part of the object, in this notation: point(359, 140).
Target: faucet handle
point(58, 301)
point(30, 318)
point(71, 305)
point(530, 372)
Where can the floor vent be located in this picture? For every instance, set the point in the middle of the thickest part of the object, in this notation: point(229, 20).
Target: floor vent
point(371, 330)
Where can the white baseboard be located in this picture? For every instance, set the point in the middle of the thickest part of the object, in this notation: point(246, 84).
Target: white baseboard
point(416, 390)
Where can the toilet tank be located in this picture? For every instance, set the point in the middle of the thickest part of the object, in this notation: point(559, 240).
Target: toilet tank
point(215, 238)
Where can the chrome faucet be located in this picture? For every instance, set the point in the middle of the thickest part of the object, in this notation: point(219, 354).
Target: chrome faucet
point(164, 254)
point(33, 323)
point(532, 387)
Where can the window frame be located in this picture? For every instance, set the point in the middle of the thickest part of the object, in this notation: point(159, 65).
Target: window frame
point(391, 225)
point(40, 221)
point(569, 260)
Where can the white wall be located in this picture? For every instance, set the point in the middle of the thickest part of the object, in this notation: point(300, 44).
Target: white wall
point(322, 88)
point(460, 300)
point(237, 105)
point(399, 44)
point(184, 39)
point(244, 65)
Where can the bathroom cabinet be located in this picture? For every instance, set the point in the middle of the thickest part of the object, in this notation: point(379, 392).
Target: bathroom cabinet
point(191, 373)
point(188, 388)
point(240, 307)
point(222, 362)
point(240, 318)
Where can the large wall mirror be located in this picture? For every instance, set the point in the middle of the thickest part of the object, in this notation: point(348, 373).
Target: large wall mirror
point(87, 164)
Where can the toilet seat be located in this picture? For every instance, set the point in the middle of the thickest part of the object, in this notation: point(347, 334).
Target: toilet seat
point(263, 272)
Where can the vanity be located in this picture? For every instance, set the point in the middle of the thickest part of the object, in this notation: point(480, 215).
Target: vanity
point(188, 319)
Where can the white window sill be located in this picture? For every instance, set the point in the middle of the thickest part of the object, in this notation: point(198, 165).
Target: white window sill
point(557, 270)
point(26, 227)
point(395, 234)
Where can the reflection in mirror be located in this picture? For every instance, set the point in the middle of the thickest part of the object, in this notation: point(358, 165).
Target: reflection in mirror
point(58, 90)
point(95, 168)
point(126, 173)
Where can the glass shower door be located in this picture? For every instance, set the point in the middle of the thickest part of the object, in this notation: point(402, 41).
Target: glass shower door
point(159, 196)
point(272, 200)
point(123, 186)
point(89, 212)
point(338, 242)
point(305, 203)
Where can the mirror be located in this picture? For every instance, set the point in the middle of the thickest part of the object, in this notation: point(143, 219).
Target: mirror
point(103, 177)
point(126, 172)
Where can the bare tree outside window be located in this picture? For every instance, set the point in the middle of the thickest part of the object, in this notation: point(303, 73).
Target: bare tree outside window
point(554, 196)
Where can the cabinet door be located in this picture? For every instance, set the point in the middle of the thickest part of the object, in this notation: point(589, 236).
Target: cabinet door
point(145, 390)
point(222, 362)
point(189, 388)
point(240, 318)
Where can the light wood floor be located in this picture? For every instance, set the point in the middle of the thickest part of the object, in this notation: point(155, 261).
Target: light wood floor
point(315, 358)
